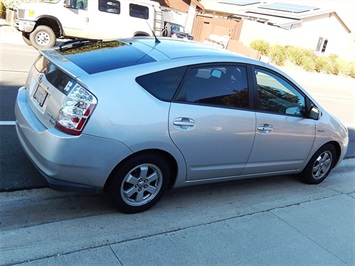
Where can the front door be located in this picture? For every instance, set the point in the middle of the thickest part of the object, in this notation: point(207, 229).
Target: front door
point(211, 123)
point(284, 136)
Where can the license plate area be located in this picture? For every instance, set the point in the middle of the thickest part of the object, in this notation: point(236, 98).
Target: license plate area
point(40, 96)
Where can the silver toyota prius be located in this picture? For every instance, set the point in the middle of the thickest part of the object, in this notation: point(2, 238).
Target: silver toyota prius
point(135, 117)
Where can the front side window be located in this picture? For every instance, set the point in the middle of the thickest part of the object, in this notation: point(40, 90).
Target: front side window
point(138, 11)
point(110, 6)
point(276, 95)
point(219, 85)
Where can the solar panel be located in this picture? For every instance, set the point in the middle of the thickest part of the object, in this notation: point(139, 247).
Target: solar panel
point(239, 2)
point(285, 7)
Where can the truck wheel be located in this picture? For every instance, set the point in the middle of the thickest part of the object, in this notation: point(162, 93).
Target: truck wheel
point(42, 37)
point(26, 38)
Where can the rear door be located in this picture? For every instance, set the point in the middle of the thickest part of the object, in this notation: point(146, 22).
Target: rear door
point(284, 136)
point(210, 121)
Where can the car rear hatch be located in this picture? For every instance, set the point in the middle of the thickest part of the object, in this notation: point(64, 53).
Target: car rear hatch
point(56, 91)
point(56, 96)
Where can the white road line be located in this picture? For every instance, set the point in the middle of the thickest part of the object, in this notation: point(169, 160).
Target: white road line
point(7, 123)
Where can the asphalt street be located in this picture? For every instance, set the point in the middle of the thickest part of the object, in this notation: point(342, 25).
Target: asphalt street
point(268, 221)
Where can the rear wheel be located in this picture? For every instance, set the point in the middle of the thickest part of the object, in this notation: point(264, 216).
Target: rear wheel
point(138, 183)
point(42, 37)
point(320, 165)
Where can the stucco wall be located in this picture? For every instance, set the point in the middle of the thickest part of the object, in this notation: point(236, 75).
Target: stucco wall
point(306, 36)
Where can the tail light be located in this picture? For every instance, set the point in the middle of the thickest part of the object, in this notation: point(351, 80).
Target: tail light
point(76, 111)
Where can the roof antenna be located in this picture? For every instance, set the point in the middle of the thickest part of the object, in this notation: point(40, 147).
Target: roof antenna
point(152, 30)
point(155, 37)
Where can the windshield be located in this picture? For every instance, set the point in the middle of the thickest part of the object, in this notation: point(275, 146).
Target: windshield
point(177, 28)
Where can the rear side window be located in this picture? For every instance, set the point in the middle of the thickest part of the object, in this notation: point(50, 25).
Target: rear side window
point(138, 11)
point(110, 6)
point(162, 84)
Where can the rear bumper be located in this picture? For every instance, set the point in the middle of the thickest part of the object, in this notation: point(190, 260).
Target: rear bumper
point(73, 163)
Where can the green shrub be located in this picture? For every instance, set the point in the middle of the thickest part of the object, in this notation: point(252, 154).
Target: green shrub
point(333, 57)
point(294, 54)
point(352, 70)
point(298, 55)
point(12, 4)
point(277, 54)
point(2, 10)
point(307, 63)
point(323, 64)
point(305, 58)
point(343, 67)
point(261, 46)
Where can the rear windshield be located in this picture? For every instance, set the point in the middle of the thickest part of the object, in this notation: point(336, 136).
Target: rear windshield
point(104, 56)
point(53, 74)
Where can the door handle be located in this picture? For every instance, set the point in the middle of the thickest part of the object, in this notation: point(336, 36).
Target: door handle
point(184, 122)
point(265, 129)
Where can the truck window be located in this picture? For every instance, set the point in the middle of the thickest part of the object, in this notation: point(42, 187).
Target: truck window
point(138, 11)
point(110, 6)
point(75, 4)
point(81, 4)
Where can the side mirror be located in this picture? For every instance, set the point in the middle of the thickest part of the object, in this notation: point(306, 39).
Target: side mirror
point(314, 113)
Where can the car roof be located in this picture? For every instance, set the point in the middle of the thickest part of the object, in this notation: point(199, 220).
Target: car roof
point(99, 56)
point(177, 48)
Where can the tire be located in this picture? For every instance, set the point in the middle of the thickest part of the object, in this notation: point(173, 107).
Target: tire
point(26, 38)
point(138, 183)
point(320, 165)
point(42, 37)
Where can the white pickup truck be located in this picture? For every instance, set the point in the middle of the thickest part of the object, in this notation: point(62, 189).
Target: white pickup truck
point(43, 23)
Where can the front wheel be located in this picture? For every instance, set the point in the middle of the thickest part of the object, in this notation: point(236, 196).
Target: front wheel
point(320, 165)
point(138, 183)
point(42, 37)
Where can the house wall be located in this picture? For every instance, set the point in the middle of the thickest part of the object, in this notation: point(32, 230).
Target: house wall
point(204, 26)
point(306, 36)
point(174, 16)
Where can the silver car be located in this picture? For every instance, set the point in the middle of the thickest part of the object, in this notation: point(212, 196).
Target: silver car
point(134, 117)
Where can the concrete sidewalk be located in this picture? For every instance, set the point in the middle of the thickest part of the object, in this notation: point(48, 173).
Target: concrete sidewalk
point(270, 221)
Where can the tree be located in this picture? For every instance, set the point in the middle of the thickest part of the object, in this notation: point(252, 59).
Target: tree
point(12, 4)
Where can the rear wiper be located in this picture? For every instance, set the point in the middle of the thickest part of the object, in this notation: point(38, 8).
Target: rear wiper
point(76, 44)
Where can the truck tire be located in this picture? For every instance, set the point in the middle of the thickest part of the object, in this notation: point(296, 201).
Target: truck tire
point(42, 37)
point(26, 38)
